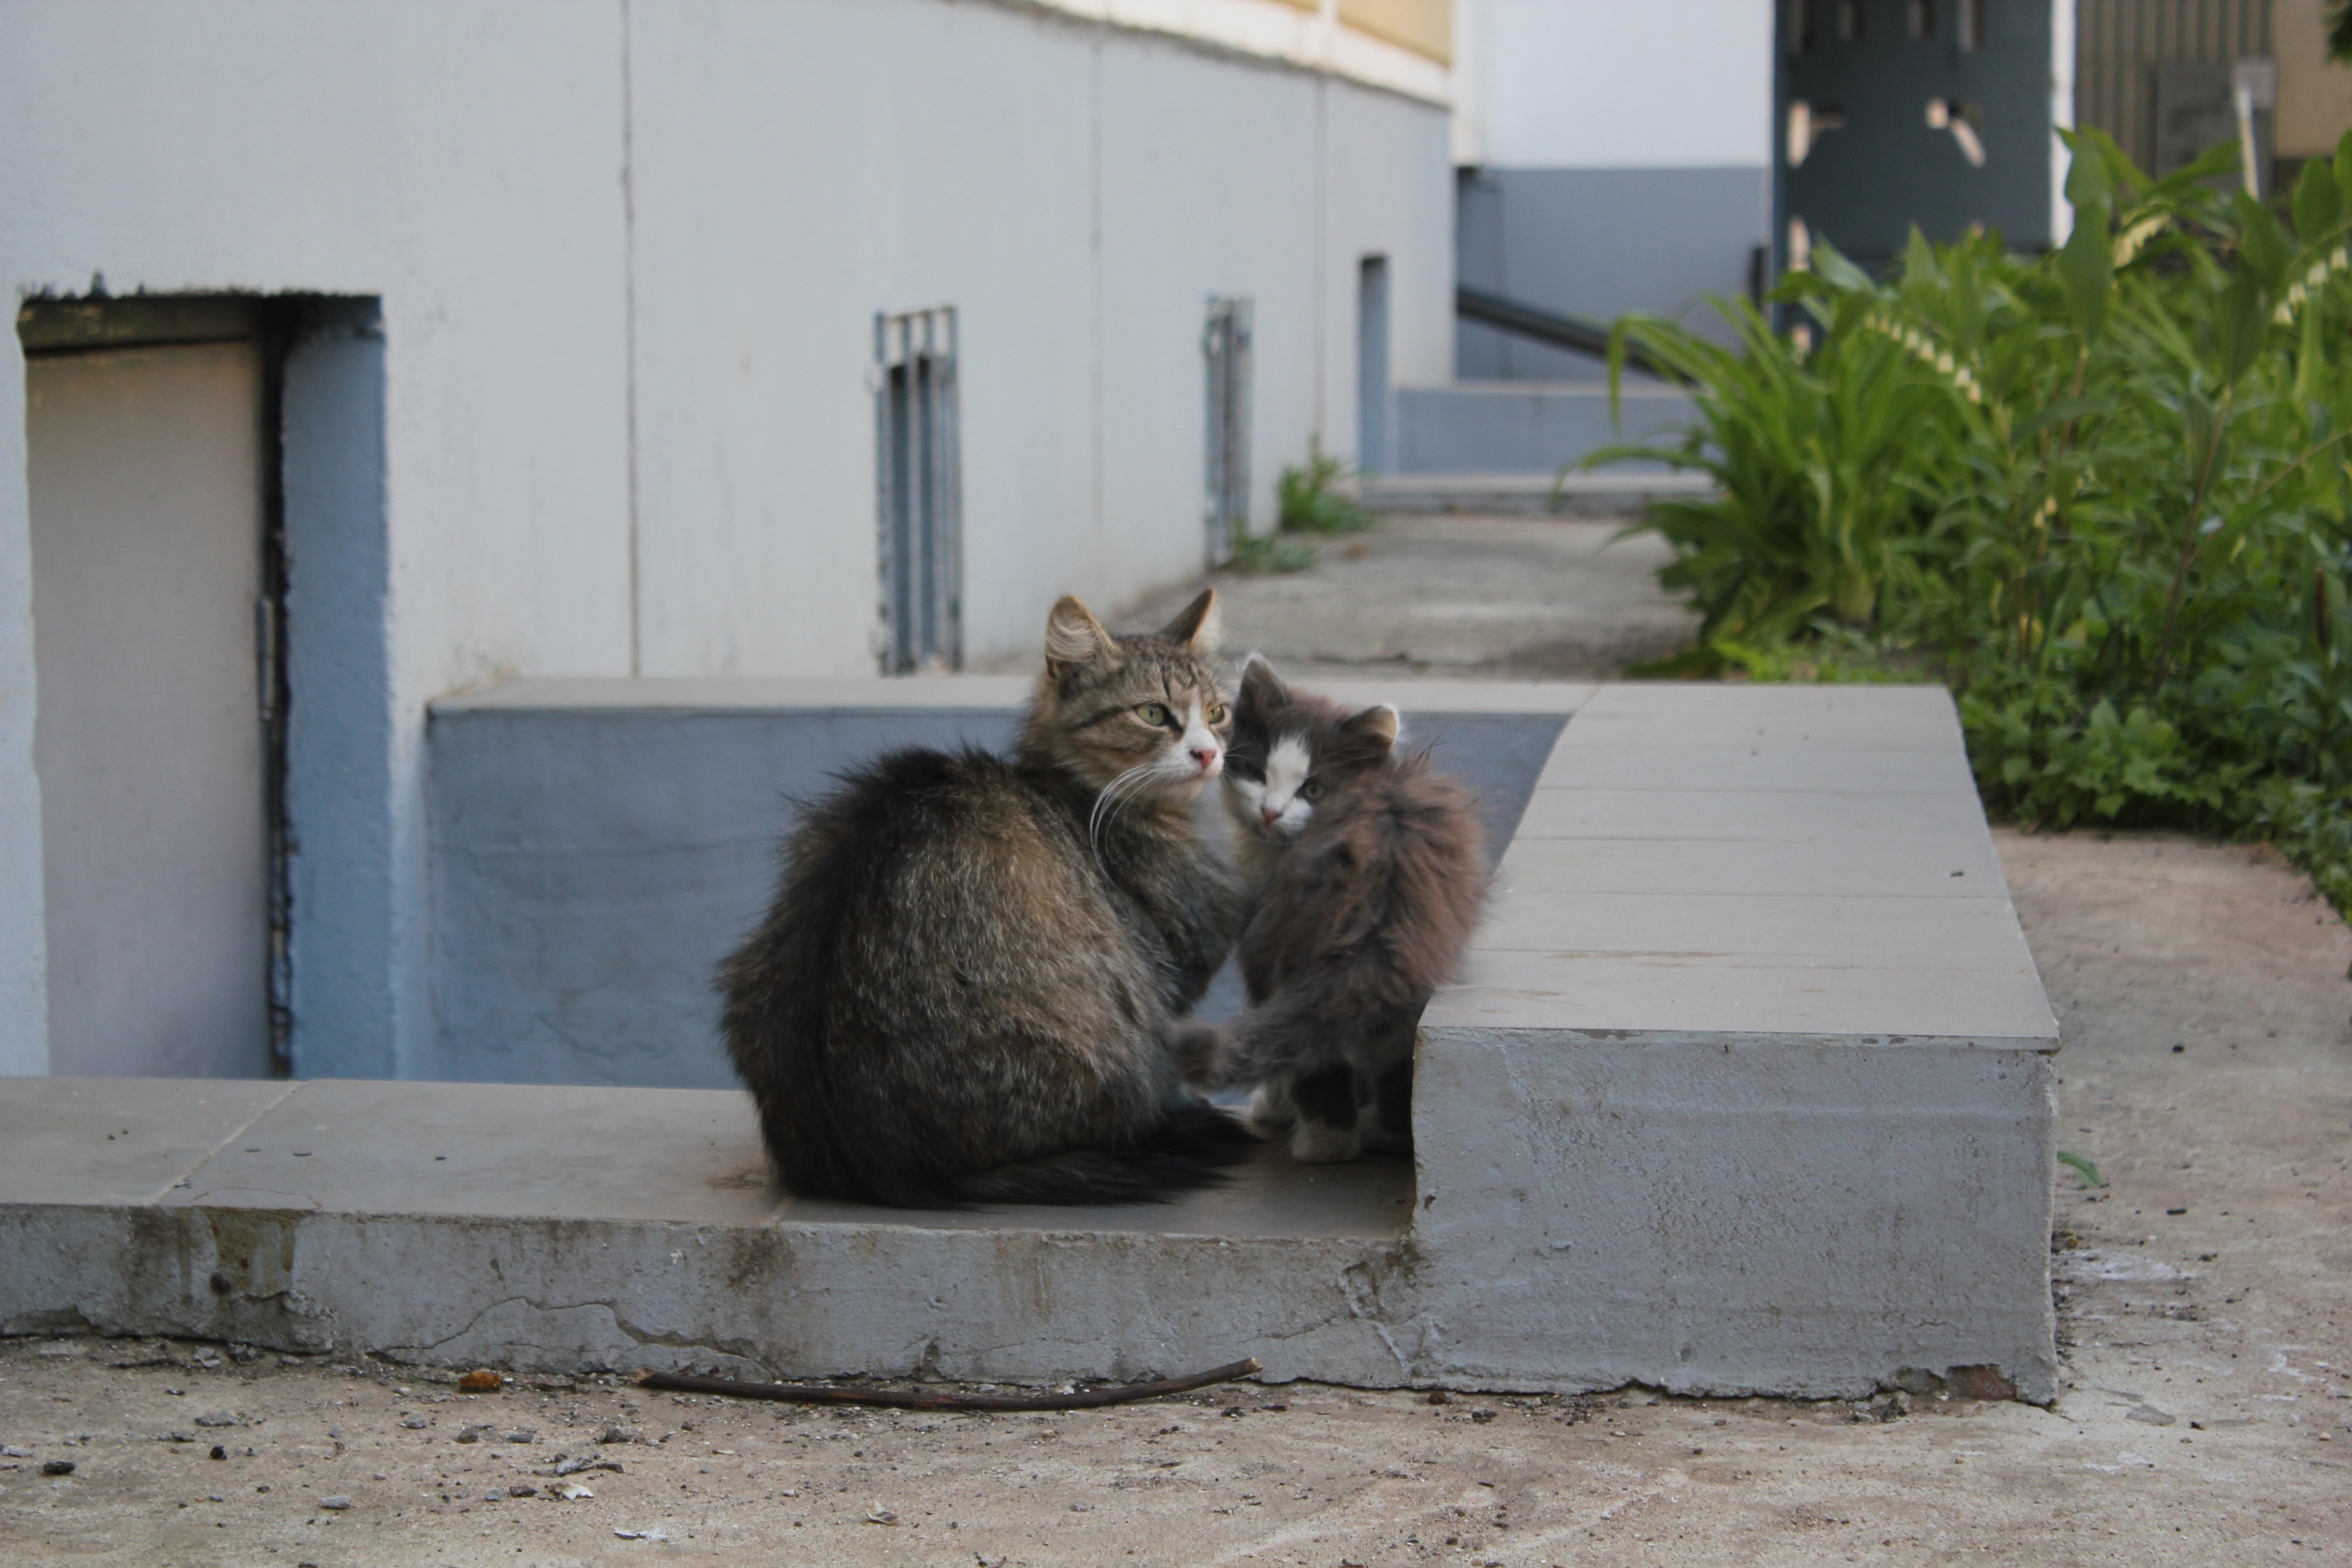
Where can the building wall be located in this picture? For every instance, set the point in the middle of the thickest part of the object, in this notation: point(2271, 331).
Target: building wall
point(628, 257)
point(2314, 91)
point(1615, 158)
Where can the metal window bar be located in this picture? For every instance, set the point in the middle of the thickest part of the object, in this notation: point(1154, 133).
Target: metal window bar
point(919, 492)
point(1225, 345)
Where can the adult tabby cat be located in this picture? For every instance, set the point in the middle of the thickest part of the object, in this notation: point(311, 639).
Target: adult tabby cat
point(1373, 876)
point(966, 987)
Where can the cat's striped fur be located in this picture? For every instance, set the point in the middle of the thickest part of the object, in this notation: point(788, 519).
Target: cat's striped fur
point(966, 989)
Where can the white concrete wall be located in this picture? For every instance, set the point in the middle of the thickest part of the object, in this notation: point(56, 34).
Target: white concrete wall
point(1614, 84)
point(1624, 156)
point(1078, 194)
point(670, 223)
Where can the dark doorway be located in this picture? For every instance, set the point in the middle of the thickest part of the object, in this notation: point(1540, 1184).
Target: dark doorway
point(1375, 396)
point(1893, 115)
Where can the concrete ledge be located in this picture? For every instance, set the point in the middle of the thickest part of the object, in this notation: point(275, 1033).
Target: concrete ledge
point(599, 846)
point(1614, 493)
point(563, 1228)
point(1746, 1089)
point(1749, 1060)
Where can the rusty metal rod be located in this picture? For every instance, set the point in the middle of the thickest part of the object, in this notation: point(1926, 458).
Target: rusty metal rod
point(924, 1399)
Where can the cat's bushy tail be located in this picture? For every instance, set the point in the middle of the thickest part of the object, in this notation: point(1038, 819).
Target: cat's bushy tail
point(1192, 1149)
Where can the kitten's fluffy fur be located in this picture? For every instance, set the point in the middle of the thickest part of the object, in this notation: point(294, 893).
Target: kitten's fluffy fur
point(1372, 876)
point(966, 990)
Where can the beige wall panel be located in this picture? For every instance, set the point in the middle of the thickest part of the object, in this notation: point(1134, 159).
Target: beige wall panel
point(144, 472)
point(2315, 93)
point(1425, 27)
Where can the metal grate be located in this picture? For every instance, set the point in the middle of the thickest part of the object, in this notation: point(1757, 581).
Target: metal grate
point(919, 492)
point(2122, 45)
point(1225, 344)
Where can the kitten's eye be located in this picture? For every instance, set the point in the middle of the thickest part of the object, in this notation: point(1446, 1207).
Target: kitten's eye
point(1152, 713)
point(1216, 713)
point(1311, 790)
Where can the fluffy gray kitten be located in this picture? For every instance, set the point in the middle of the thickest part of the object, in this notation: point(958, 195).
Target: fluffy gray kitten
point(1371, 876)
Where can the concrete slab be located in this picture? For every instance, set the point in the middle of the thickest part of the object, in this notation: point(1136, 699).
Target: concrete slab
point(1814, 718)
point(1772, 1115)
point(1735, 1214)
point(549, 1151)
point(1545, 493)
point(1961, 933)
point(1696, 866)
point(1743, 997)
point(1877, 771)
point(1830, 818)
point(117, 1140)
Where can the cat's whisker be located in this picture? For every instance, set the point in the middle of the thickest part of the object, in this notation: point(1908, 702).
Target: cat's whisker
point(1106, 805)
point(1129, 786)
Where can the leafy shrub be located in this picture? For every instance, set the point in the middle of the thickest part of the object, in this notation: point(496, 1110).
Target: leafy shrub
point(2100, 491)
point(1310, 504)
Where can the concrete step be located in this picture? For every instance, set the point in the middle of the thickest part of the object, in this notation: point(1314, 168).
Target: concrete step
point(1745, 1089)
point(1615, 493)
point(1502, 427)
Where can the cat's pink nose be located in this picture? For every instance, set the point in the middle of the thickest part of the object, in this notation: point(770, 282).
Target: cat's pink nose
point(1205, 756)
point(1270, 813)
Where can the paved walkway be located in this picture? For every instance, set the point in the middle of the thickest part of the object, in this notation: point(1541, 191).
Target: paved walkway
point(1535, 598)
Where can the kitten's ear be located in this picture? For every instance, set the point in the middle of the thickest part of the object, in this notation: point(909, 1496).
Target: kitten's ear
point(1372, 732)
point(1073, 636)
point(1262, 690)
point(1195, 627)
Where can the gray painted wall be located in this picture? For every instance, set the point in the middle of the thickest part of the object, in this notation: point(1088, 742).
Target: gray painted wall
point(594, 862)
point(1599, 243)
point(1520, 427)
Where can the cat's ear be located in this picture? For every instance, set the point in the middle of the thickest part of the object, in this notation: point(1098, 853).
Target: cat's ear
point(1262, 690)
point(1372, 733)
point(1196, 625)
point(1074, 637)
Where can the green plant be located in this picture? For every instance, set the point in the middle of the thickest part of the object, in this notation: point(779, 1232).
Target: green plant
point(1254, 555)
point(2101, 492)
point(2083, 1168)
point(1311, 503)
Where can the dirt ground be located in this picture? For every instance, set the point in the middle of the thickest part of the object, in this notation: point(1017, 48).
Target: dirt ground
point(2206, 1416)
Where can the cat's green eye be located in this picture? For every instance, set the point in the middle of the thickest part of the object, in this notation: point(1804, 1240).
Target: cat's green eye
point(1311, 790)
point(1152, 713)
point(1216, 713)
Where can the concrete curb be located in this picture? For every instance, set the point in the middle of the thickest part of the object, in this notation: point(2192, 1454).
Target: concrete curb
point(1744, 1090)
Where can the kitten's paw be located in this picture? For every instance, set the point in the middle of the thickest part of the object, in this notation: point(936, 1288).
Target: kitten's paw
point(1320, 1142)
point(1270, 1110)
